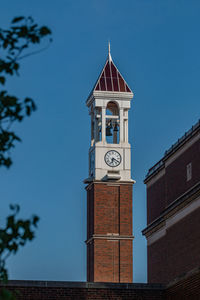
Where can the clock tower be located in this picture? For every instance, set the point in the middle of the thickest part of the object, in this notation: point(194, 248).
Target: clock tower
point(109, 185)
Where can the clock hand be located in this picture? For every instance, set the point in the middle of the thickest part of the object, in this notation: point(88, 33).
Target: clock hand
point(115, 160)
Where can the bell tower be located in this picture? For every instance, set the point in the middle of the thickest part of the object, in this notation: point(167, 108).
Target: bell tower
point(109, 185)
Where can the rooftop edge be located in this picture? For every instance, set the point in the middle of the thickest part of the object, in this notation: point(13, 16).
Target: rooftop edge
point(188, 134)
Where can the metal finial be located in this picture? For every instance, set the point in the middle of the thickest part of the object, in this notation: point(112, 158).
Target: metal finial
point(109, 55)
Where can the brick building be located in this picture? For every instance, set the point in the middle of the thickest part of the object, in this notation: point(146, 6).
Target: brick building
point(173, 210)
point(185, 288)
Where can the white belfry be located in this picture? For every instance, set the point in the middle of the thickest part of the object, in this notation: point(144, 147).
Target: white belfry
point(109, 103)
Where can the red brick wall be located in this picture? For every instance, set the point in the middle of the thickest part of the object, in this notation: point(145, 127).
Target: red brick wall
point(174, 183)
point(155, 199)
point(126, 261)
point(109, 212)
point(177, 252)
point(106, 209)
point(39, 290)
point(125, 225)
point(176, 179)
point(106, 261)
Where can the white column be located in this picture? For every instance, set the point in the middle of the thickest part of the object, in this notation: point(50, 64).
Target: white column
point(126, 126)
point(95, 128)
point(92, 129)
point(103, 125)
point(121, 127)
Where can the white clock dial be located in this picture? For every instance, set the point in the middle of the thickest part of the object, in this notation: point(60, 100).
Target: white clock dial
point(112, 158)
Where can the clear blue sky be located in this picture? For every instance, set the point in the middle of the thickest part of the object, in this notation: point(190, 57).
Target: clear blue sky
point(156, 45)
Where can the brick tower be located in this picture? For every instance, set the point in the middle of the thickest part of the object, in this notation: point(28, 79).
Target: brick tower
point(109, 186)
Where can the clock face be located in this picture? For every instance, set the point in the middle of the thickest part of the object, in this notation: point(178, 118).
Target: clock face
point(112, 158)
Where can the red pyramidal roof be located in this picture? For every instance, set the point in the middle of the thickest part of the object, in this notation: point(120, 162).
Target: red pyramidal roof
point(110, 79)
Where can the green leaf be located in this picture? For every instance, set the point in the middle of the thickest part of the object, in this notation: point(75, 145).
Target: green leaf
point(28, 110)
point(45, 30)
point(7, 162)
point(15, 207)
point(2, 80)
point(10, 221)
point(12, 207)
point(23, 31)
point(17, 19)
point(35, 220)
point(16, 66)
point(5, 44)
point(35, 39)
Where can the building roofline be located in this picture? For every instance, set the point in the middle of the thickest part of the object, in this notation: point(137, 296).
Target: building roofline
point(87, 285)
point(181, 141)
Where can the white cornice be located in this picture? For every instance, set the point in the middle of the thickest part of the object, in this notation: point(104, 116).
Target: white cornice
point(191, 207)
point(125, 96)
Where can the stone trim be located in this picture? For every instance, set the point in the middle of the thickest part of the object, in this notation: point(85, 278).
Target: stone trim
point(111, 236)
point(181, 203)
point(173, 220)
point(156, 176)
point(109, 183)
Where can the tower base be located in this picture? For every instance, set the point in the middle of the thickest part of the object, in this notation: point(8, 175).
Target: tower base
point(109, 232)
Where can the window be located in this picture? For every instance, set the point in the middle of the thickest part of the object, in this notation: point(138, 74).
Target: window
point(189, 171)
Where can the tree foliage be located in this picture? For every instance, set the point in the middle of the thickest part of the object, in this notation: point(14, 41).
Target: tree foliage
point(15, 43)
point(14, 235)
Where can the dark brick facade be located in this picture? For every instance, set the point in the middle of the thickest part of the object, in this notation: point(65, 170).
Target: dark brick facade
point(155, 194)
point(109, 232)
point(177, 252)
point(176, 179)
point(47, 290)
point(186, 287)
point(174, 182)
point(173, 211)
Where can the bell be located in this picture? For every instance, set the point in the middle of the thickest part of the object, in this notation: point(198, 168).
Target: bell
point(115, 128)
point(108, 130)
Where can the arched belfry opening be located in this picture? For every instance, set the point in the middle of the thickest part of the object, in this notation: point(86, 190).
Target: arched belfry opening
point(109, 124)
point(112, 123)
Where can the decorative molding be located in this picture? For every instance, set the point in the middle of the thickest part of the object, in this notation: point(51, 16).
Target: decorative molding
point(192, 206)
point(108, 183)
point(110, 236)
point(157, 176)
point(180, 202)
point(181, 150)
